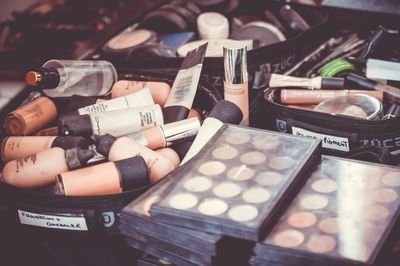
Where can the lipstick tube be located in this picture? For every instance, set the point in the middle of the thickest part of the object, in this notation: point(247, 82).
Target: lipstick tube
point(41, 169)
point(116, 149)
point(118, 123)
point(165, 135)
point(104, 179)
point(317, 96)
point(236, 85)
point(19, 147)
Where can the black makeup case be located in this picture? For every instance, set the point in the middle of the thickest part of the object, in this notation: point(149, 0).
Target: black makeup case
point(370, 140)
point(62, 230)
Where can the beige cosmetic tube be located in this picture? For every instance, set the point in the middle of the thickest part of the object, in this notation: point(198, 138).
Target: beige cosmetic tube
point(159, 90)
point(116, 149)
point(41, 169)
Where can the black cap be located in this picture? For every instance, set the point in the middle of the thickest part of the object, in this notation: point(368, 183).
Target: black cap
point(75, 125)
point(104, 143)
point(182, 148)
point(77, 158)
point(227, 112)
point(134, 172)
point(70, 142)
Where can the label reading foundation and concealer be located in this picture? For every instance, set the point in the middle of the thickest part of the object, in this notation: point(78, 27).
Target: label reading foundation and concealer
point(63, 221)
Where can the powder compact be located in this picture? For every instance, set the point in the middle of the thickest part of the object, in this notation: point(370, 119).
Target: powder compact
point(236, 184)
point(342, 216)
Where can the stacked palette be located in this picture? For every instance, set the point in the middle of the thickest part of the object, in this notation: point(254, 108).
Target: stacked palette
point(235, 186)
point(342, 216)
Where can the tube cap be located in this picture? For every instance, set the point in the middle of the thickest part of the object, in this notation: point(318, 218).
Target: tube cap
point(70, 142)
point(75, 125)
point(134, 173)
point(77, 157)
point(227, 112)
point(104, 143)
point(212, 25)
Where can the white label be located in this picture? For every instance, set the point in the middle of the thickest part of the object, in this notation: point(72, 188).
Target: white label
point(207, 131)
point(380, 69)
point(74, 222)
point(328, 141)
point(136, 99)
point(185, 87)
point(138, 137)
point(122, 122)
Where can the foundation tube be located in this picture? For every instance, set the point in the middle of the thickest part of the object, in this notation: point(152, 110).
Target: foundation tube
point(317, 96)
point(317, 83)
point(13, 148)
point(184, 89)
point(118, 123)
point(165, 135)
point(104, 179)
point(136, 99)
point(42, 168)
point(236, 85)
point(223, 112)
point(30, 117)
point(116, 149)
point(51, 131)
point(159, 90)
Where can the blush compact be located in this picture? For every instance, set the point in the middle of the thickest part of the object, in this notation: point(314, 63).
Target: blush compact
point(343, 216)
point(236, 184)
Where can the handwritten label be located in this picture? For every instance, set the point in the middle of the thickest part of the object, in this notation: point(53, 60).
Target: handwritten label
point(328, 141)
point(64, 221)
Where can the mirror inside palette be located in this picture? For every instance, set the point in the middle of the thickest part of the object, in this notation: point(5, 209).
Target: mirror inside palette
point(342, 215)
point(237, 182)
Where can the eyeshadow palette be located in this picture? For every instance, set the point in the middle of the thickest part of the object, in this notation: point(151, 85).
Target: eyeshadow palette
point(237, 183)
point(342, 216)
point(136, 216)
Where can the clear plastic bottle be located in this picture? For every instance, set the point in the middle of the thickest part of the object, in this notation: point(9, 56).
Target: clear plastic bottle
point(63, 78)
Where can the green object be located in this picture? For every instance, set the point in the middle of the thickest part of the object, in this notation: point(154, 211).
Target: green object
point(336, 67)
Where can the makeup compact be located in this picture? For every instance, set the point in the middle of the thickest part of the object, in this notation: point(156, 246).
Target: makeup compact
point(358, 105)
point(235, 185)
point(127, 41)
point(262, 31)
point(343, 216)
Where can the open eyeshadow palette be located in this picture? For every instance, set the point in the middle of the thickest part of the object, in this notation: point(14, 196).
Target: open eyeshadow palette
point(136, 217)
point(342, 216)
point(237, 183)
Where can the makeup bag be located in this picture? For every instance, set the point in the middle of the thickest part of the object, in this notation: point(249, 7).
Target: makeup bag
point(61, 230)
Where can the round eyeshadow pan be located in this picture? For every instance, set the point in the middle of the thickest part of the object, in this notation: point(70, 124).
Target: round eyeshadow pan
point(212, 168)
point(238, 138)
point(376, 213)
point(321, 244)
point(227, 190)
point(314, 202)
point(243, 213)
point(391, 179)
point(183, 201)
point(198, 184)
point(329, 225)
point(302, 219)
point(225, 153)
point(269, 179)
point(253, 157)
point(256, 195)
point(385, 195)
point(241, 173)
point(266, 142)
point(324, 186)
point(289, 238)
point(213, 207)
point(281, 163)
